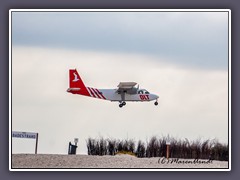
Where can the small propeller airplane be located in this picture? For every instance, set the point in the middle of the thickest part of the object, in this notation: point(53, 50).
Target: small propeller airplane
point(126, 91)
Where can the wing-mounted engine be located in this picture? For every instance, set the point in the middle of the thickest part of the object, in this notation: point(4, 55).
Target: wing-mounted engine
point(127, 87)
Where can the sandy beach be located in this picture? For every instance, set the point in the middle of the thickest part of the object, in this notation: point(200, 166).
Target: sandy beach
point(118, 161)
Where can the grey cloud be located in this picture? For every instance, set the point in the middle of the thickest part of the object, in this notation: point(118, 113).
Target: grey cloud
point(197, 39)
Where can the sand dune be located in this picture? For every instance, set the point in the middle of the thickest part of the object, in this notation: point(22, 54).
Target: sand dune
point(118, 161)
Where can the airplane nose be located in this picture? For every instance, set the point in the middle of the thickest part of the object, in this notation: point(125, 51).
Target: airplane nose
point(154, 96)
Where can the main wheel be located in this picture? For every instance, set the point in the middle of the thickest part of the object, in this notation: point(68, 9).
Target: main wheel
point(124, 103)
point(120, 105)
point(156, 103)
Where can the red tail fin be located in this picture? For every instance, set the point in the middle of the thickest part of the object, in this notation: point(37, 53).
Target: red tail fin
point(76, 84)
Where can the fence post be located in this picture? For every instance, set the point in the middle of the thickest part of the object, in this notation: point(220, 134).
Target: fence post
point(36, 146)
point(168, 149)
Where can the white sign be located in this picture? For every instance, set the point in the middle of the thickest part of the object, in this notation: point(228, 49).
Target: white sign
point(29, 135)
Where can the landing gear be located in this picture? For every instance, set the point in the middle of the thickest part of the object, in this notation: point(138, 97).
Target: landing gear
point(122, 104)
point(156, 103)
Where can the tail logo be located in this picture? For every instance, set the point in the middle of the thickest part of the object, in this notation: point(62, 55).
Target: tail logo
point(75, 78)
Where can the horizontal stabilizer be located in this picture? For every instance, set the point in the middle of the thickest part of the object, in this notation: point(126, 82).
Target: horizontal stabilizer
point(73, 89)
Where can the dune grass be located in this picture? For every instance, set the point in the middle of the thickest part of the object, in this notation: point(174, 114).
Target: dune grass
point(156, 147)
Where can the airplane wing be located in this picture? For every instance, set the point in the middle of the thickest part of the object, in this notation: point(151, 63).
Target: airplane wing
point(127, 87)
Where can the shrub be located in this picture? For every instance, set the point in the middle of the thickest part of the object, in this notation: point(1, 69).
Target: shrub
point(156, 147)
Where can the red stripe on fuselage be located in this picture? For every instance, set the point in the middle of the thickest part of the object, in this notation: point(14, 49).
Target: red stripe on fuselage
point(91, 92)
point(96, 93)
point(100, 94)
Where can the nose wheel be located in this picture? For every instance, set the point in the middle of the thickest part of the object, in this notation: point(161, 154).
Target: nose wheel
point(122, 104)
point(156, 103)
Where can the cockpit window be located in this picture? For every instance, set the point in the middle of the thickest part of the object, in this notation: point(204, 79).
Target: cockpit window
point(143, 91)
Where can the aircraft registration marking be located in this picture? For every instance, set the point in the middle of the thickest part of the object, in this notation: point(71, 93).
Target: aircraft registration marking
point(144, 97)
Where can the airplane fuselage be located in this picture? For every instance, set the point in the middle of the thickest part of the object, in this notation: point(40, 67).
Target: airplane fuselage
point(112, 95)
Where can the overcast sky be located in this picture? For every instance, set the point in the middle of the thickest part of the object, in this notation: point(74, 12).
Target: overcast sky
point(181, 56)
